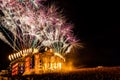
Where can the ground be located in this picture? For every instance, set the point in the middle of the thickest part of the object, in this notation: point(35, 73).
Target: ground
point(97, 73)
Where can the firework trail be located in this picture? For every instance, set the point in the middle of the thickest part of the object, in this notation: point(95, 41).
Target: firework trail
point(34, 25)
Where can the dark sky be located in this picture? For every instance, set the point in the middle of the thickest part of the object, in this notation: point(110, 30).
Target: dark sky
point(96, 24)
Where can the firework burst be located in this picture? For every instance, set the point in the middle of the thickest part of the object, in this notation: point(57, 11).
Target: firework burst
point(29, 24)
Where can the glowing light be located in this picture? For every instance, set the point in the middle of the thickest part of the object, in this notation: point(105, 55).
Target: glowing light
point(37, 63)
point(54, 65)
point(51, 50)
point(9, 57)
point(12, 57)
point(46, 49)
point(19, 54)
point(35, 51)
point(59, 65)
point(27, 65)
point(45, 66)
point(30, 50)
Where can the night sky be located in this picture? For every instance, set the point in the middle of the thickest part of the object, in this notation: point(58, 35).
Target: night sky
point(96, 24)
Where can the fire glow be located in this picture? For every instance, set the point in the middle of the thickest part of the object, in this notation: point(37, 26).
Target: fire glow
point(38, 63)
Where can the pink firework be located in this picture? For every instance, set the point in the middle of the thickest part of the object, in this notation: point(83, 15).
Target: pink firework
point(34, 25)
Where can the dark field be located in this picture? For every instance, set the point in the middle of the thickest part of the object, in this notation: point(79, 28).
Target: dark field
point(100, 73)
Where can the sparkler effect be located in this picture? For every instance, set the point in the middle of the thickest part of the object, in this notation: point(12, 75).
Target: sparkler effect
point(29, 24)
